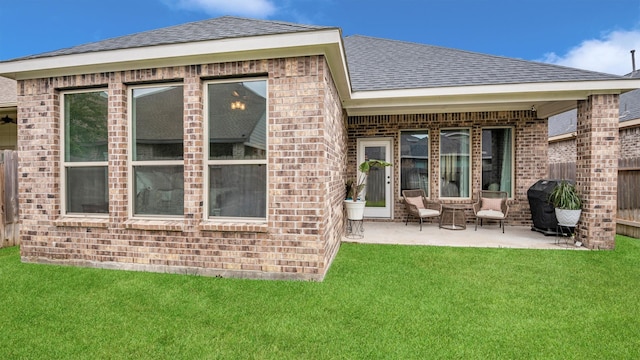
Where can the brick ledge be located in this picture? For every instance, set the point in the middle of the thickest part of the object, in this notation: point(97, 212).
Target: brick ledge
point(82, 222)
point(233, 226)
point(158, 225)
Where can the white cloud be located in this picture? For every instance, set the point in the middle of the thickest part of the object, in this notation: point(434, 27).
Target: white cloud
point(249, 8)
point(609, 54)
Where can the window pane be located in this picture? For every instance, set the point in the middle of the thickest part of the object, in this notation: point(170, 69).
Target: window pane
point(414, 160)
point(376, 189)
point(238, 191)
point(87, 190)
point(158, 123)
point(237, 120)
point(85, 123)
point(454, 163)
point(159, 190)
point(497, 159)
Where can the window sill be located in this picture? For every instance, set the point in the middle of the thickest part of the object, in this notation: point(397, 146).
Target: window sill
point(231, 226)
point(83, 222)
point(158, 225)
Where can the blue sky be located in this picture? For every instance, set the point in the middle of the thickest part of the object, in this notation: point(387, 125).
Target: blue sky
point(590, 34)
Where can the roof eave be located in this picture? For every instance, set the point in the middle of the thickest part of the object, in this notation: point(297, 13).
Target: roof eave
point(11, 104)
point(547, 98)
point(326, 42)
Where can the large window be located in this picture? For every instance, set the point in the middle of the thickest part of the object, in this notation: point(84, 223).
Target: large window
point(157, 164)
point(455, 166)
point(414, 160)
point(237, 155)
point(84, 160)
point(497, 159)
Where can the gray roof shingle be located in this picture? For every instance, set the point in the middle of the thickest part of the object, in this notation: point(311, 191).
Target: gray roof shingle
point(563, 123)
point(225, 27)
point(630, 105)
point(381, 64)
point(374, 63)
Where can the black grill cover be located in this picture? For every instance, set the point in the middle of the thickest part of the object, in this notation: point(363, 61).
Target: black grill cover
point(543, 214)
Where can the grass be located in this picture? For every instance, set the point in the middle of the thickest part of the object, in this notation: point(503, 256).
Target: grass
point(377, 302)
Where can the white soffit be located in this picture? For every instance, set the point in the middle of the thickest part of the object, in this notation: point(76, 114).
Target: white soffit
point(547, 98)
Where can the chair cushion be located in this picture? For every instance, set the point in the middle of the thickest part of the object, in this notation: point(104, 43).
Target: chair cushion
point(428, 212)
point(415, 200)
point(491, 204)
point(490, 214)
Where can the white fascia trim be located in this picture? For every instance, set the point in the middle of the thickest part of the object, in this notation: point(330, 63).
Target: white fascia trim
point(563, 137)
point(448, 108)
point(13, 104)
point(629, 124)
point(522, 89)
point(236, 49)
point(484, 97)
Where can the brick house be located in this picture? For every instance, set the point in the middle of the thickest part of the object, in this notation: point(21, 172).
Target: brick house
point(221, 147)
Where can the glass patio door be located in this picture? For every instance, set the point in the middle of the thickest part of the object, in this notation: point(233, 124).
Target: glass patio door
point(378, 190)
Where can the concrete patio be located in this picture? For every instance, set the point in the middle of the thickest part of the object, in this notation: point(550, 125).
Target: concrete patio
point(489, 236)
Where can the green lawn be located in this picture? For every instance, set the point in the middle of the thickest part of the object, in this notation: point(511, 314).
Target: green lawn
point(378, 301)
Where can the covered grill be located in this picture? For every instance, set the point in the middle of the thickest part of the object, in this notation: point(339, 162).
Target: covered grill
point(543, 213)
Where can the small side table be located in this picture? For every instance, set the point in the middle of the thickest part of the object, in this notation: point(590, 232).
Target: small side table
point(564, 231)
point(453, 217)
point(355, 229)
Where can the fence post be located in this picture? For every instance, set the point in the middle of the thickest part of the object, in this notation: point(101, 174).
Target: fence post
point(9, 222)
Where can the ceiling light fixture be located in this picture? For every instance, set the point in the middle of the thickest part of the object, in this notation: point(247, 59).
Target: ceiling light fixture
point(238, 105)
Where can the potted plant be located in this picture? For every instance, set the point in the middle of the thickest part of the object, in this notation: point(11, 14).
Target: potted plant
point(567, 203)
point(354, 186)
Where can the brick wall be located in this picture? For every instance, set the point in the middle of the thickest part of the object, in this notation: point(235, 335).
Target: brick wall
point(597, 169)
point(630, 143)
point(306, 140)
point(334, 162)
point(562, 151)
point(530, 150)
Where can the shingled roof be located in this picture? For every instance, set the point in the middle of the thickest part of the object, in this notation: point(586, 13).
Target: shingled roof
point(372, 75)
point(381, 64)
point(374, 63)
point(226, 27)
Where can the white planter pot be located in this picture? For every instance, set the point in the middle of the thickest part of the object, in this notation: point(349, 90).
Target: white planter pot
point(568, 217)
point(355, 209)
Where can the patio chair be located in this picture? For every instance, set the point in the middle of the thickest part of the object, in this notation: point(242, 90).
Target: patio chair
point(491, 205)
point(417, 205)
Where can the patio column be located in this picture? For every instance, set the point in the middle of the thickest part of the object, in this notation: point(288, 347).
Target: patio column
point(597, 151)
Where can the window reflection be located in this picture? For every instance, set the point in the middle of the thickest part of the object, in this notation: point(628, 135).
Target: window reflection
point(455, 174)
point(237, 117)
point(158, 116)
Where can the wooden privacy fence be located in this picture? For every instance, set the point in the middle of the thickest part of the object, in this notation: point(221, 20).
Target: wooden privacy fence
point(628, 218)
point(628, 222)
point(9, 224)
point(563, 171)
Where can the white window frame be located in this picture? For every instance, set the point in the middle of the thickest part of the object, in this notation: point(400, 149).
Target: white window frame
point(469, 190)
point(64, 165)
point(133, 163)
point(513, 155)
point(208, 162)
